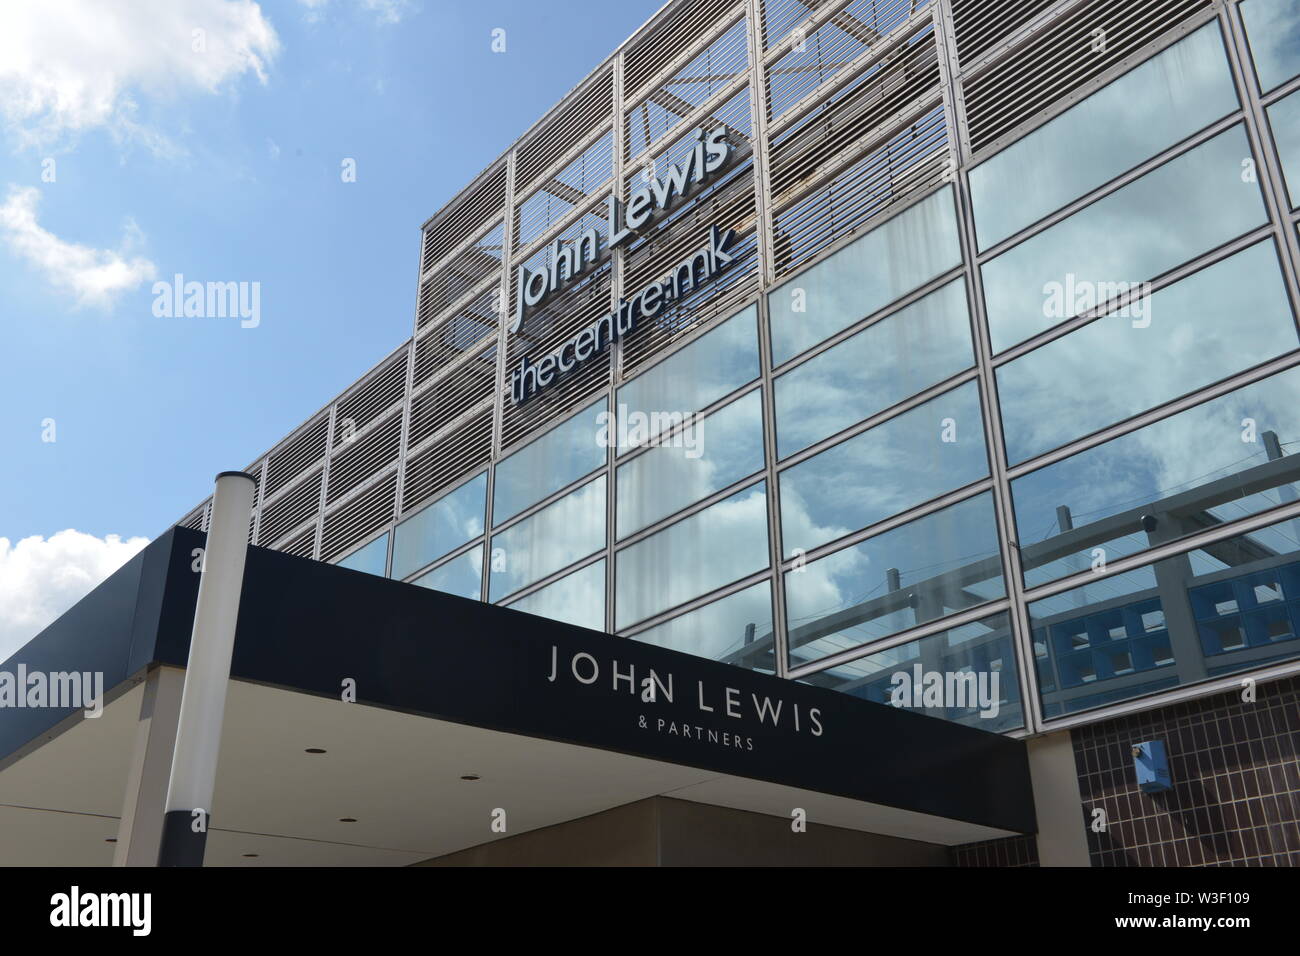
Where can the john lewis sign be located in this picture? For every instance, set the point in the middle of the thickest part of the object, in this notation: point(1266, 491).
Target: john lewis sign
point(571, 260)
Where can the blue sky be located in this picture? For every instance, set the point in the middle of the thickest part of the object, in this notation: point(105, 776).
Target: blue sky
point(162, 167)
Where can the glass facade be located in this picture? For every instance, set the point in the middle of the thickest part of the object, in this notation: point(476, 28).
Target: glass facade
point(1145, 111)
point(736, 629)
point(462, 575)
point(1006, 419)
point(440, 528)
point(1191, 204)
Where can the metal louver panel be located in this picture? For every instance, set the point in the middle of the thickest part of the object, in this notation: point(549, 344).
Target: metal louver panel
point(451, 338)
point(464, 217)
point(374, 397)
point(547, 327)
point(570, 124)
point(447, 460)
point(570, 188)
point(196, 519)
point(820, 55)
point(452, 394)
point(294, 456)
point(303, 545)
point(1061, 58)
point(366, 455)
point(909, 162)
point(364, 514)
point(879, 140)
point(719, 64)
point(782, 16)
point(679, 31)
point(980, 25)
point(297, 505)
point(460, 275)
point(729, 204)
point(540, 254)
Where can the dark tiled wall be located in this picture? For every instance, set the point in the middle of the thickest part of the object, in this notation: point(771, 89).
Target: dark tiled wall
point(1236, 785)
point(1009, 851)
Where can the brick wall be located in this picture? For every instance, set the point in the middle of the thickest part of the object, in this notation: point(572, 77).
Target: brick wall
point(1236, 784)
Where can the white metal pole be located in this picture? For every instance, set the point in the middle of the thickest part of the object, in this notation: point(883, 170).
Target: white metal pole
point(203, 700)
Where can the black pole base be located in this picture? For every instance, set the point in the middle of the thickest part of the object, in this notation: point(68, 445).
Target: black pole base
point(181, 846)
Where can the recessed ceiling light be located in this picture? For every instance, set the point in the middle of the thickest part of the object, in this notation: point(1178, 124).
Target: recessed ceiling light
point(250, 855)
point(111, 840)
point(314, 750)
point(470, 776)
point(347, 819)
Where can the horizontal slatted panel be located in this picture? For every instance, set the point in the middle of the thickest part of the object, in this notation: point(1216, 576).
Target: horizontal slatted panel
point(303, 545)
point(565, 192)
point(546, 328)
point(540, 257)
point(862, 113)
point(725, 59)
point(296, 455)
point(196, 519)
point(980, 25)
point(379, 393)
point(591, 107)
point(1062, 58)
point(824, 53)
point(452, 395)
point(728, 204)
point(911, 160)
point(447, 460)
point(453, 337)
point(680, 29)
point(298, 504)
point(782, 16)
point(464, 217)
point(369, 453)
point(363, 515)
point(459, 276)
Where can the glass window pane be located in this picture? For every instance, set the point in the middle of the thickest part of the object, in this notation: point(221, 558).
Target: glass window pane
point(918, 455)
point(577, 598)
point(736, 630)
point(1284, 118)
point(1273, 29)
point(715, 365)
point(371, 558)
point(1147, 110)
point(440, 528)
point(865, 276)
point(918, 572)
point(1172, 214)
point(704, 457)
point(724, 542)
point(966, 674)
point(1225, 318)
point(461, 576)
point(880, 366)
point(562, 533)
point(558, 458)
point(1217, 461)
point(1232, 606)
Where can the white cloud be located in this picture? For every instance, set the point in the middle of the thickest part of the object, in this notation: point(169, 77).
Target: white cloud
point(41, 578)
point(93, 276)
point(71, 65)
